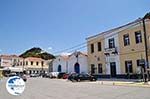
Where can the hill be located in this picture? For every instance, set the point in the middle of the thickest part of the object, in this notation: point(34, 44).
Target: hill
point(37, 52)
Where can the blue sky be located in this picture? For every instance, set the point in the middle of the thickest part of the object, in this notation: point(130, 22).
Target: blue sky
point(55, 25)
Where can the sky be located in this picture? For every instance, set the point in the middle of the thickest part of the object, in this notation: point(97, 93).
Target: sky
point(55, 25)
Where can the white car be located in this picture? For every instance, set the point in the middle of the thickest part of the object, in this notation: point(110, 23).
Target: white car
point(34, 75)
point(54, 74)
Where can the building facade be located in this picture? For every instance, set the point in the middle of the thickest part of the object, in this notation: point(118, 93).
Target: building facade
point(96, 57)
point(133, 47)
point(32, 65)
point(118, 52)
point(5, 61)
point(111, 51)
point(11, 61)
point(76, 62)
point(35, 65)
point(60, 64)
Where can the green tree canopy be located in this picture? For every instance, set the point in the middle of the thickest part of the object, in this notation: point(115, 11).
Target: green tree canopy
point(37, 52)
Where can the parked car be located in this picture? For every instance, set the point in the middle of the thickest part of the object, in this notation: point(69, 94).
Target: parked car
point(72, 76)
point(46, 75)
point(65, 76)
point(81, 77)
point(54, 74)
point(11, 74)
point(24, 77)
point(60, 75)
point(21, 75)
point(34, 75)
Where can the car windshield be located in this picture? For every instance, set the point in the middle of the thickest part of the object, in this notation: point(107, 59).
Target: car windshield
point(74, 74)
point(86, 75)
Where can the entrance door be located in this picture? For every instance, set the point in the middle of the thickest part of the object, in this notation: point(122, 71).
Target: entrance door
point(59, 68)
point(92, 69)
point(77, 68)
point(113, 69)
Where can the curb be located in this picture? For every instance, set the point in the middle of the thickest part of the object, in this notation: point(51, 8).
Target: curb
point(128, 84)
point(132, 84)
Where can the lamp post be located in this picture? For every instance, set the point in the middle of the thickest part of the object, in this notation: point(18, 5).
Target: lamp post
point(147, 16)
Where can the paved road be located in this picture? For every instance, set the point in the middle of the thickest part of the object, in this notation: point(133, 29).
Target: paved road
point(42, 88)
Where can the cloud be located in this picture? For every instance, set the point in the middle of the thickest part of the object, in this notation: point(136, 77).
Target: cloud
point(50, 48)
point(65, 53)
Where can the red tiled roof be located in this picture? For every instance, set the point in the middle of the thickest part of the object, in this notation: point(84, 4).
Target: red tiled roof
point(9, 56)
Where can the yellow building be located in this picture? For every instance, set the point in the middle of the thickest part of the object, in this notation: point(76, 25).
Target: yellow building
point(96, 57)
point(35, 65)
point(122, 50)
point(133, 48)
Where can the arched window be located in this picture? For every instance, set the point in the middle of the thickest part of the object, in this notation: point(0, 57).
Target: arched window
point(59, 68)
point(77, 68)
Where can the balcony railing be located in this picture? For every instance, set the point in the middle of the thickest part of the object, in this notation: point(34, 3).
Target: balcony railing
point(109, 51)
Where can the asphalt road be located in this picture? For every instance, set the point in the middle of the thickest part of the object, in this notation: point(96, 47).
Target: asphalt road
point(42, 88)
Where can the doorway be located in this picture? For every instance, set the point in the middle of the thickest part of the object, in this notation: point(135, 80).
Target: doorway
point(113, 69)
point(77, 68)
point(59, 68)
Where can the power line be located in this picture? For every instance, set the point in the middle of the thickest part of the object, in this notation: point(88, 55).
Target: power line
point(74, 48)
point(78, 48)
point(67, 49)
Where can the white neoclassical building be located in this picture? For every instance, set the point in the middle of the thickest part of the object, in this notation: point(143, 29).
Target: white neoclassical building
point(76, 62)
point(60, 64)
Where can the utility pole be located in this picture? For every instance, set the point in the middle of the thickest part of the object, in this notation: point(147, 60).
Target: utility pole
point(147, 16)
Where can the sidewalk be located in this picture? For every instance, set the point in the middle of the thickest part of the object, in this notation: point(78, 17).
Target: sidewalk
point(124, 82)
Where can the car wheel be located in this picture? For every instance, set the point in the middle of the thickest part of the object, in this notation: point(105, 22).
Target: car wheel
point(72, 80)
point(78, 80)
point(92, 79)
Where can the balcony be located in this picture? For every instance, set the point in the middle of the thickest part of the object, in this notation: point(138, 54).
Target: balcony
point(110, 51)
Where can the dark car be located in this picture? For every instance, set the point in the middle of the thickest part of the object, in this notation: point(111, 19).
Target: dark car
point(72, 76)
point(24, 77)
point(46, 75)
point(60, 75)
point(81, 77)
